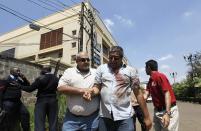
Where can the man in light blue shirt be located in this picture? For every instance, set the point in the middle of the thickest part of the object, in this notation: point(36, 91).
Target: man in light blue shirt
point(115, 82)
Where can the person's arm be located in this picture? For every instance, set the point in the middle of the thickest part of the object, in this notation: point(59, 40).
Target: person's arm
point(25, 80)
point(35, 85)
point(167, 101)
point(140, 98)
point(66, 89)
point(1, 95)
point(32, 87)
point(94, 91)
point(163, 82)
point(146, 94)
point(65, 86)
point(166, 116)
point(3, 85)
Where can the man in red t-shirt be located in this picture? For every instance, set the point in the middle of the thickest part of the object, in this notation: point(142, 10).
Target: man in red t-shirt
point(166, 115)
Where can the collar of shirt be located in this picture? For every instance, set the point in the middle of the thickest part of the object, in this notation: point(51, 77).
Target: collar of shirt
point(83, 73)
point(48, 73)
point(122, 67)
point(154, 74)
point(12, 76)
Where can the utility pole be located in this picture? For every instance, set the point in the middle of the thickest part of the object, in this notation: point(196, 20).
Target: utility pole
point(86, 14)
point(92, 46)
point(173, 75)
point(92, 21)
point(80, 45)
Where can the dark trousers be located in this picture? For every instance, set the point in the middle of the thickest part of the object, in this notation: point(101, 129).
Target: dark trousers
point(16, 113)
point(139, 115)
point(106, 124)
point(46, 106)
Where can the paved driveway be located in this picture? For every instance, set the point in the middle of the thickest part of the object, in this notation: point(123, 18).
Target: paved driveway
point(190, 116)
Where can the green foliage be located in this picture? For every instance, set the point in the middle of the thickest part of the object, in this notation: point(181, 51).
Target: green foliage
point(31, 111)
point(194, 62)
point(197, 82)
point(180, 89)
point(188, 88)
point(62, 109)
point(191, 87)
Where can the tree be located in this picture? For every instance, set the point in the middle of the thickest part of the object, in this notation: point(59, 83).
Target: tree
point(191, 87)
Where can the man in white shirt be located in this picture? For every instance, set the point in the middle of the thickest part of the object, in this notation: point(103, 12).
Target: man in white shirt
point(114, 82)
point(81, 114)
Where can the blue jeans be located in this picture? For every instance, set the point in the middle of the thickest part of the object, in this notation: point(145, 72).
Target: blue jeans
point(80, 123)
point(106, 124)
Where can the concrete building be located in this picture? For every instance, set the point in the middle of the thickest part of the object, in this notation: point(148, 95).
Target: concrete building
point(60, 38)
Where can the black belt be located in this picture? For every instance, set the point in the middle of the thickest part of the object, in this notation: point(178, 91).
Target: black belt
point(164, 108)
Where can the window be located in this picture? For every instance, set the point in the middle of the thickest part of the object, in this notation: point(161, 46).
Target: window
point(73, 44)
point(8, 53)
point(106, 48)
point(74, 32)
point(73, 58)
point(52, 38)
point(52, 54)
point(60, 54)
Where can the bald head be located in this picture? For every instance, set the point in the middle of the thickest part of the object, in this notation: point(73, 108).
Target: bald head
point(82, 60)
point(82, 55)
point(15, 71)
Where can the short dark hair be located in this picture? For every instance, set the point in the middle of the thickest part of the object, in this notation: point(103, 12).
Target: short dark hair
point(152, 64)
point(117, 49)
point(46, 69)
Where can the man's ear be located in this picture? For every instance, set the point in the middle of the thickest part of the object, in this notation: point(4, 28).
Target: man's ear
point(149, 68)
point(76, 60)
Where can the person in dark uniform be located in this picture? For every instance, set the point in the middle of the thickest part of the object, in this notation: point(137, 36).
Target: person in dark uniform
point(3, 84)
point(2, 112)
point(46, 103)
point(15, 110)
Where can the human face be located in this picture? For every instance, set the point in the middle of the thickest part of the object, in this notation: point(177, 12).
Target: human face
point(115, 60)
point(148, 70)
point(83, 62)
point(16, 72)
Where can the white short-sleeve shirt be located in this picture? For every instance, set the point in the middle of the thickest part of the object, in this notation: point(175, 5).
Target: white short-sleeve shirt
point(76, 104)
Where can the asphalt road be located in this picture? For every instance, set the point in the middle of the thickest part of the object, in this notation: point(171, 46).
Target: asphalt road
point(190, 116)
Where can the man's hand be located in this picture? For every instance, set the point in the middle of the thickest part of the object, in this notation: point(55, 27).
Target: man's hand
point(166, 120)
point(140, 98)
point(15, 85)
point(88, 94)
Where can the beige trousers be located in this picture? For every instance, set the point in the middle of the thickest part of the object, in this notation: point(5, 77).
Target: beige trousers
point(174, 120)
